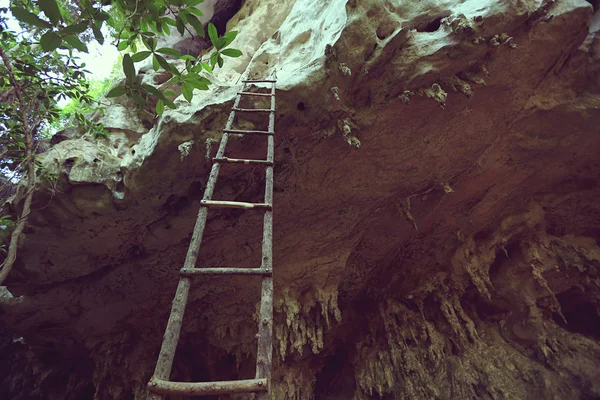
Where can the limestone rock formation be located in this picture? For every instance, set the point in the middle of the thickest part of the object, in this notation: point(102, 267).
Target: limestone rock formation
point(437, 223)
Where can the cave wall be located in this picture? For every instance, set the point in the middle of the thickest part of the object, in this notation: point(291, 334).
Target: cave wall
point(436, 216)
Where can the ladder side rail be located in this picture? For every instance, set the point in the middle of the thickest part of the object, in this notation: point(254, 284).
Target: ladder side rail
point(265, 331)
point(173, 329)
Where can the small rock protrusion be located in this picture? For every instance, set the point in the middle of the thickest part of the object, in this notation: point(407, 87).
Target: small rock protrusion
point(502, 39)
point(184, 149)
point(344, 69)
point(460, 25)
point(436, 93)
point(346, 129)
point(405, 96)
point(336, 92)
point(208, 144)
point(353, 141)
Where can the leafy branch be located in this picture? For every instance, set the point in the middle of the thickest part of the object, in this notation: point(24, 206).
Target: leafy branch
point(16, 234)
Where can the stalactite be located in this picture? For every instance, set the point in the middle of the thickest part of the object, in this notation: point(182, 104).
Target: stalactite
point(307, 317)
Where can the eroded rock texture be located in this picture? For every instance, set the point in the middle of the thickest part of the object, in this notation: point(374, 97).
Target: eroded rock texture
point(436, 222)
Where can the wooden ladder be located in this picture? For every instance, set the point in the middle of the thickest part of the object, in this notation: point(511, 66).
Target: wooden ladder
point(159, 384)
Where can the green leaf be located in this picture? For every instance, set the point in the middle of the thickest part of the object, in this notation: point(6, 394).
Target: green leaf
point(150, 43)
point(230, 37)
point(139, 99)
point(144, 24)
point(133, 46)
point(25, 16)
point(116, 92)
point(122, 46)
point(50, 41)
point(188, 91)
point(50, 8)
point(196, 11)
point(170, 104)
point(231, 52)
point(193, 3)
point(169, 93)
point(213, 59)
point(142, 55)
point(220, 43)
point(168, 67)
point(152, 90)
point(166, 29)
point(76, 28)
point(76, 43)
point(169, 21)
point(98, 34)
point(102, 16)
point(182, 16)
point(169, 52)
point(155, 63)
point(220, 61)
point(196, 24)
point(180, 27)
point(160, 107)
point(128, 68)
point(198, 85)
point(207, 67)
point(212, 34)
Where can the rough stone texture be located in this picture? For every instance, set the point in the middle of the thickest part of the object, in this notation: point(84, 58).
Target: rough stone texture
point(436, 228)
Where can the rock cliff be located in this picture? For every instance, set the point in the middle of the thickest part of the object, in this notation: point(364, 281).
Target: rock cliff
point(437, 223)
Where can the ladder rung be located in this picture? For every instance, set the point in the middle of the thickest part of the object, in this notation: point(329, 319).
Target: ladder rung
point(256, 94)
point(259, 80)
point(244, 132)
point(252, 109)
point(241, 161)
point(208, 388)
point(226, 271)
point(235, 204)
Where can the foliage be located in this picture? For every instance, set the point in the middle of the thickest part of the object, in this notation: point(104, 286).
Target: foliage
point(40, 67)
point(68, 115)
point(43, 78)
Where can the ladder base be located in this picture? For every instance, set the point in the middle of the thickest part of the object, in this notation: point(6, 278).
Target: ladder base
point(207, 388)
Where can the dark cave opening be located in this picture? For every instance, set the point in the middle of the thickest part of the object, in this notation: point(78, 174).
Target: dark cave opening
point(431, 26)
point(26, 370)
point(582, 316)
point(336, 379)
